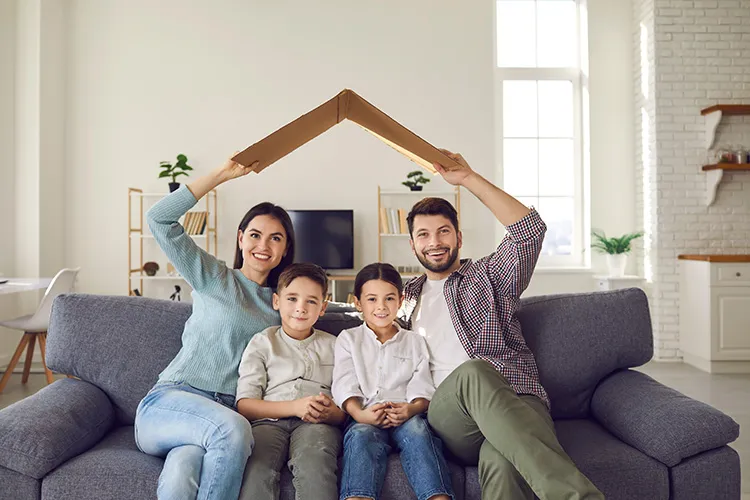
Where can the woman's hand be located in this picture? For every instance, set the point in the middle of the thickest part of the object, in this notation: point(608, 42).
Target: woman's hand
point(231, 169)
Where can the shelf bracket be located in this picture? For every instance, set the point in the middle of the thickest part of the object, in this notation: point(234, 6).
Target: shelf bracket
point(712, 122)
point(713, 178)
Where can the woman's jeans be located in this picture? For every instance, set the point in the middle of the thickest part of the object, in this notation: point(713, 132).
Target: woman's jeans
point(205, 441)
point(366, 449)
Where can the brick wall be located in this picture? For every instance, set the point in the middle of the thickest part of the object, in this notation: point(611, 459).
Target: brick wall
point(702, 57)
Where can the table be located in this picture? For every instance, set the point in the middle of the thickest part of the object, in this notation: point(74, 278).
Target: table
point(16, 285)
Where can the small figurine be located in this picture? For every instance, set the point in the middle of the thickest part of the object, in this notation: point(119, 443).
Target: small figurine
point(176, 294)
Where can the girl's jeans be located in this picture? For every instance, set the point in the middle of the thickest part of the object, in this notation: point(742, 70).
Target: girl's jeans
point(205, 441)
point(366, 449)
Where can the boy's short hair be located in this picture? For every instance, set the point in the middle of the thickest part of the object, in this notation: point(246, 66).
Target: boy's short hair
point(303, 270)
point(432, 206)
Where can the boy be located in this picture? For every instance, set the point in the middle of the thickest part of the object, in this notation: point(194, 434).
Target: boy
point(284, 389)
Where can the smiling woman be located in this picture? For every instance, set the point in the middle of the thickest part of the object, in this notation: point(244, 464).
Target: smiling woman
point(195, 394)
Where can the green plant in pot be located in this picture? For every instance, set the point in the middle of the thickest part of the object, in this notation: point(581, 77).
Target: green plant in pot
point(180, 167)
point(414, 179)
point(616, 248)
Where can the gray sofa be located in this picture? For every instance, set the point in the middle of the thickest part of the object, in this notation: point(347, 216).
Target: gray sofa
point(633, 437)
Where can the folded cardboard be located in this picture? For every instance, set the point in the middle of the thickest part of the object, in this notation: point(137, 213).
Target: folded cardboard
point(347, 105)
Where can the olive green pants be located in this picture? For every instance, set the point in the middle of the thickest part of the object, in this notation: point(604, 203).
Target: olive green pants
point(481, 419)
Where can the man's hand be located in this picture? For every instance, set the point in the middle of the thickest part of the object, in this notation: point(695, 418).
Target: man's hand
point(457, 175)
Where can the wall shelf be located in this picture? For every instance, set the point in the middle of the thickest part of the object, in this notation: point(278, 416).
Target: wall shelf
point(714, 173)
point(714, 114)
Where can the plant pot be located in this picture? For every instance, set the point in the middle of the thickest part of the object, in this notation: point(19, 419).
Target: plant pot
point(616, 263)
point(416, 188)
point(174, 186)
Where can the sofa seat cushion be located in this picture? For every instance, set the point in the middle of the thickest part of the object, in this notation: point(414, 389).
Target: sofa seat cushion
point(113, 469)
point(617, 469)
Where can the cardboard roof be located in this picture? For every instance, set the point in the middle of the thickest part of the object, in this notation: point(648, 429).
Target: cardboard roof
point(347, 105)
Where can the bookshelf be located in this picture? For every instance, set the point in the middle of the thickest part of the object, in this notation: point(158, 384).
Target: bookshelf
point(200, 223)
point(393, 206)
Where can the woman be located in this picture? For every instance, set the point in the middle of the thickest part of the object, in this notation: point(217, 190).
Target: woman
point(189, 416)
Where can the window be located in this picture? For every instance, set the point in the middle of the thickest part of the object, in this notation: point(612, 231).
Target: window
point(541, 97)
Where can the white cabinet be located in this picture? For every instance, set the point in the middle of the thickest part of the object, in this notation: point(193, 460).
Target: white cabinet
point(715, 314)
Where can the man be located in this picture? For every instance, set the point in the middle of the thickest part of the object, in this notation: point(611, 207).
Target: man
point(490, 407)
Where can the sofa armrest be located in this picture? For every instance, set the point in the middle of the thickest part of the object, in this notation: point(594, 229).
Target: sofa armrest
point(64, 419)
point(657, 420)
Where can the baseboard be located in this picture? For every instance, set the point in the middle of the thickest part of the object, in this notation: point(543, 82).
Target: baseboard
point(36, 363)
point(720, 367)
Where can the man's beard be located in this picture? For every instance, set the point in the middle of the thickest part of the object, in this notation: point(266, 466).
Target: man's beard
point(452, 256)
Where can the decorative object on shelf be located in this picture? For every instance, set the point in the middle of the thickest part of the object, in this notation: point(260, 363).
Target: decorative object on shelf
point(150, 268)
point(616, 248)
point(179, 168)
point(725, 158)
point(414, 179)
point(141, 244)
point(176, 294)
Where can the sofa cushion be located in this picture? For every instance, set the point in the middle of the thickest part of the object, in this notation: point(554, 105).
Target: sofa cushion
point(119, 344)
point(336, 322)
point(53, 425)
point(618, 470)
point(658, 420)
point(113, 469)
point(16, 485)
point(579, 339)
point(712, 475)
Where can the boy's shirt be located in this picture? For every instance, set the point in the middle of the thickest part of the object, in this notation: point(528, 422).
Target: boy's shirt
point(276, 367)
point(397, 371)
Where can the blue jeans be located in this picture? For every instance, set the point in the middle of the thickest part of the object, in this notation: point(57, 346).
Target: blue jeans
point(366, 450)
point(205, 441)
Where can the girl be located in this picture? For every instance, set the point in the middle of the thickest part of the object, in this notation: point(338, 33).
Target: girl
point(388, 400)
point(189, 416)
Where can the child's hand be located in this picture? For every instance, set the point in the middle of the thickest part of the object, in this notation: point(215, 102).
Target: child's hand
point(374, 415)
point(308, 409)
point(398, 413)
point(322, 409)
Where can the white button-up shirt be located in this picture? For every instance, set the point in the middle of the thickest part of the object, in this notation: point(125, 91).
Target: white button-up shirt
point(397, 371)
point(276, 367)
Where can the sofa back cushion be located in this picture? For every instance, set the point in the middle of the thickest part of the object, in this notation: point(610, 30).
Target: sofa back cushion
point(119, 344)
point(579, 339)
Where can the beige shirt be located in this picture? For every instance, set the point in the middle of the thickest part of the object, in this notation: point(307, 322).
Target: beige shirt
point(397, 371)
point(276, 367)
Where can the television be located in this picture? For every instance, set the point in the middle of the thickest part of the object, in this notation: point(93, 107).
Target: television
point(324, 237)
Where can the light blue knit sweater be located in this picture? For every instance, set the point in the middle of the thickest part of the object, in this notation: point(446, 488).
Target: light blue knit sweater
point(228, 308)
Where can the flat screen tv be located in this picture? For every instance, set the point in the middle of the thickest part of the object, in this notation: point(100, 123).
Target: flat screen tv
point(324, 237)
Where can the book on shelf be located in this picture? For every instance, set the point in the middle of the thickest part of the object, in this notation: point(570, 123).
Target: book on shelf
point(393, 221)
point(195, 222)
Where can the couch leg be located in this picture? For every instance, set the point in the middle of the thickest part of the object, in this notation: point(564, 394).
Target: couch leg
point(14, 360)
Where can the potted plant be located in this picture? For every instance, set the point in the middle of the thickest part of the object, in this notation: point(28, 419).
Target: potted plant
point(179, 168)
point(617, 250)
point(414, 179)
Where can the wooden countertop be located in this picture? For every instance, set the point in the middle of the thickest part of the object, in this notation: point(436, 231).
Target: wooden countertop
point(716, 258)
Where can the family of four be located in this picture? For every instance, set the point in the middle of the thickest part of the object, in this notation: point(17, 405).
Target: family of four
point(438, 362)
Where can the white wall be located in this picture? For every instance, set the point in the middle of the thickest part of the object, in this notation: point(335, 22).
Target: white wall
point(701, 60)
point(8, 303)
point(219, 85)
point(147, 82)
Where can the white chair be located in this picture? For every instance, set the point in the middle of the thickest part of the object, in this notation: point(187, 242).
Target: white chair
point(34, 326)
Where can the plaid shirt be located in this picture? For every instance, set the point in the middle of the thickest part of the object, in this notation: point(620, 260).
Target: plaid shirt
point(483, 298)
